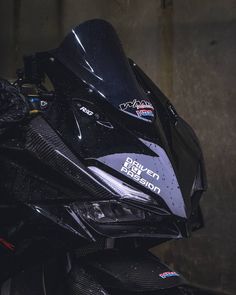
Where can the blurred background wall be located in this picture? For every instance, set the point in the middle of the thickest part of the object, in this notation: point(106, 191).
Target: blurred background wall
point(188, 47)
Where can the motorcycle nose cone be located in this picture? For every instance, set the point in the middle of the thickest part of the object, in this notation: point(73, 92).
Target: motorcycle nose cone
point(154, 173)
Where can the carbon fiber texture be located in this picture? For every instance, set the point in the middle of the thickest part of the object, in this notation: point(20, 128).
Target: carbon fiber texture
point(46, 145)
point(13, 106)
point(51, 278)
point(133, 270)
point(81, 282)
point(65, 277)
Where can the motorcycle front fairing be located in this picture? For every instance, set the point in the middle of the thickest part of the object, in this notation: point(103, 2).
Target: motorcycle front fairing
point(108, 158)
point(127, 136)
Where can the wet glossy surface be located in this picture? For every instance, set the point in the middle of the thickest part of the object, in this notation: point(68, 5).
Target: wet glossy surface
point(108, 157)
point(93, 52)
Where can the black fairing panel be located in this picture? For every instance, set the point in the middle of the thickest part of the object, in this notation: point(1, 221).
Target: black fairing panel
point(182, 140)
point(105, 143)
point(105, 140)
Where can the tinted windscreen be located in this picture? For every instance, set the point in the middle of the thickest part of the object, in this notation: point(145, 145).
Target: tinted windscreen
point(93, 52)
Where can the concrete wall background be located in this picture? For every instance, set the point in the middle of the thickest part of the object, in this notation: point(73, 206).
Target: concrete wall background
point(188, 48)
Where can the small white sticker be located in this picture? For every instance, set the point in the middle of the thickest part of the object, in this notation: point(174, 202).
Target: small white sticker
point(86, 111)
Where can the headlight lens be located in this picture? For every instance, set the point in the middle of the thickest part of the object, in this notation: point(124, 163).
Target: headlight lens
point(114, 218)
point(108, 212)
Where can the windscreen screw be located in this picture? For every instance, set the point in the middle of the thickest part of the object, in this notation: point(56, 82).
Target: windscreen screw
point(90, 90)
point(52, 59)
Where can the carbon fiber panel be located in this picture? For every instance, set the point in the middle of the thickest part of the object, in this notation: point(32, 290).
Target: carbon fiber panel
point(47, 146)
point(135, 270)
point(81, 282)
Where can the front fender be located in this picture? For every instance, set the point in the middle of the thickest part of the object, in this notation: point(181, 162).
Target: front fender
point(132, 270)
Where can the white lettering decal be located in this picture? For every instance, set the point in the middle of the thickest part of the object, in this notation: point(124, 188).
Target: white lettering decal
point(134, 169)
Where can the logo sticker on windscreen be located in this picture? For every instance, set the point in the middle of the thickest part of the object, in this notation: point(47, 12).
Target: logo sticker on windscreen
point(141, 108)
point(168, 274)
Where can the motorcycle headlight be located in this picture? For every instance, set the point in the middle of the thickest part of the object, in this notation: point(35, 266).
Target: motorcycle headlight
point(114, 218)
point(108, 212)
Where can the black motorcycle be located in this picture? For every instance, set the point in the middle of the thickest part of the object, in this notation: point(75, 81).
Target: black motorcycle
point(103, 170)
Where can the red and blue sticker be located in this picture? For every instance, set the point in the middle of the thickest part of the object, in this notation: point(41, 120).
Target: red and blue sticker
point(168, 274)
point(140, 108)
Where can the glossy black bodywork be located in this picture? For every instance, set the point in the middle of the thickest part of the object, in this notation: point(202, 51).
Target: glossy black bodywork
point(107, 158)
point(100, 62)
